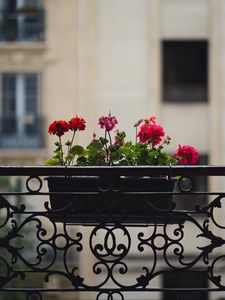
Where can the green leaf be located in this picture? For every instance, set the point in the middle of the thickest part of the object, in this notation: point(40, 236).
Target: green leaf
point(172, 160)
point(96, 153)
point(95, 144)
point(52, 162)
point(69, 158)
point(103, 141)
point(82, 161)
point(76, 150)
point(68, 143)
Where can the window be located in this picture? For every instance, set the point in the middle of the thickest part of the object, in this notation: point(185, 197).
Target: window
point(13, 5)
point(185, 279)
point(185, 71)
point(21, 20)
point(20, 119)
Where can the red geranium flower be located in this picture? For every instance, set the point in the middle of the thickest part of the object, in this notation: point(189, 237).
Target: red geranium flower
point(58, 127)
point(187, 155)
point(107, 122)
point(151, 132)
point(77, 123)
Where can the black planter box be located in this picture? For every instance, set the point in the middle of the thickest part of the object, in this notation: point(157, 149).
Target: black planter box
point(90, 200)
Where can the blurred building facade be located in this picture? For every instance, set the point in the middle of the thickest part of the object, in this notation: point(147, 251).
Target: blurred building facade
point(137, 58)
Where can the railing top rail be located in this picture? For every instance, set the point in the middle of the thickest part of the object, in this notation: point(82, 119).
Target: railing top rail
point(199, 170)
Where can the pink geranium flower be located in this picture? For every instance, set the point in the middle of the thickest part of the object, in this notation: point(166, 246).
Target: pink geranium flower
point(107, 122)
point(187, 155)
point(152, 133)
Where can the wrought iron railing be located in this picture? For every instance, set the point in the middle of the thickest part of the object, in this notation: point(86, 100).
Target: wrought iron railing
point(42, 252)
point(22, 25)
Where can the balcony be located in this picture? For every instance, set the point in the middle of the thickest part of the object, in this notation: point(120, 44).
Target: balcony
point(42, 255)
point(22, 26)
point(23, 132)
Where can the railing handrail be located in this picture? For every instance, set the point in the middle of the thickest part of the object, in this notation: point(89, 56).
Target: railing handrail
point(197, 170)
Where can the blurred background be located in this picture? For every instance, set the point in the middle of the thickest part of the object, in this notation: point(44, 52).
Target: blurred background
point(61, 58)
point(134, 57)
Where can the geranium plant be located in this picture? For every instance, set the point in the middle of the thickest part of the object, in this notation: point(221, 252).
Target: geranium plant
point(112, 149)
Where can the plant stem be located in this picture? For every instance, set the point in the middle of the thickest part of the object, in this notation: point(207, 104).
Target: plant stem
point(74, 133)
point(68, 151)
point(60, 144)
point(70, 147)
point(106, 149)
point(136, 135)
point(110, 142)
point(110, 139)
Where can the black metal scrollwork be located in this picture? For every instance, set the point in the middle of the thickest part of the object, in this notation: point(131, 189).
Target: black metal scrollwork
point(34, 241)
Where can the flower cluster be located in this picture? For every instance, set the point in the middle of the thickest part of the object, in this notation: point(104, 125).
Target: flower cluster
point(107, 122)
point(59, 128)
point(77, 123)
point(151, 132)
point(147, 149)
point(188, 155)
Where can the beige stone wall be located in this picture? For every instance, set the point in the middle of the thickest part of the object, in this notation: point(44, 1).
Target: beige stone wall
point(60, 70)
point(101, 55)
point(56, 60)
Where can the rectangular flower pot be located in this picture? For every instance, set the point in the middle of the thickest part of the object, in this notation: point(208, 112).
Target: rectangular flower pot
point(90, 200)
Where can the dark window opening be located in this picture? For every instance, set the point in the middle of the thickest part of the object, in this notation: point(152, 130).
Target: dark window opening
point(188, 280)
point(21, 20)
point(20, 122)
point(185, 71)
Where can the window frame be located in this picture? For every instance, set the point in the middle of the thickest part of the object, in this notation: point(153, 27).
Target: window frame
point(25, 120)
point(193, 87)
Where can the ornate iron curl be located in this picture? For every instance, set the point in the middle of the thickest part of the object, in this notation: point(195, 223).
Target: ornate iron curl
point(111, 257)
point(28, 184)
point(110, 295)
point(104, 252)
point(181, 187)
point(34, 296)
